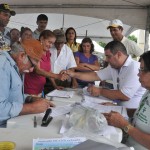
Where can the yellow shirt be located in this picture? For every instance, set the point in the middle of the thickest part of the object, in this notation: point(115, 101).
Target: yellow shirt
point(73, 47)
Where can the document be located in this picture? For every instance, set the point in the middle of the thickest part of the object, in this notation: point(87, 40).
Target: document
point(61, 93)
point(60, 110)
point(100, 99)
point(106, 109)
point(56, 143)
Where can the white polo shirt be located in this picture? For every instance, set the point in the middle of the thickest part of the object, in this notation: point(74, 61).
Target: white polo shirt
point(129, 83)
point(64, 61)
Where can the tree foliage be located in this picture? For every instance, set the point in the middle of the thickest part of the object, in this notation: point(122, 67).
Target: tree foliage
point(102, 44)
point(132, 38)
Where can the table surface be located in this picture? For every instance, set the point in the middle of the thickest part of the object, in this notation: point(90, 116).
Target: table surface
point(21, 130)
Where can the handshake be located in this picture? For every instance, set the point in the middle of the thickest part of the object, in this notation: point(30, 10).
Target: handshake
point(65, 74)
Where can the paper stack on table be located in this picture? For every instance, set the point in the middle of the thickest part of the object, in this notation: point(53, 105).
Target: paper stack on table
point(92, 99)
point(61, 93)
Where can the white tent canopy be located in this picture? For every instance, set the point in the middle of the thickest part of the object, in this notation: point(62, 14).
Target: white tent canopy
point(135, 13)
point(84, 26)
point(131, 12)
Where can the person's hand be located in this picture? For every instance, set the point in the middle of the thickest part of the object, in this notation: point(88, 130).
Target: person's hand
point(116, 119)
point(40, 105)
point(63, 76)
point(70, 73)
point(94, 91)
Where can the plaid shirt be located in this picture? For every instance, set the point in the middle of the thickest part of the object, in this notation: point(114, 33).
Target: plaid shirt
point(5, 40)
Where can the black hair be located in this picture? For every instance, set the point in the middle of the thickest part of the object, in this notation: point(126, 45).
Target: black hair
point(146, 58)
point(87, 40)
point(24, 29)
point(71, 28)
point(115, 46)
point(42, 17)
point(14, 29)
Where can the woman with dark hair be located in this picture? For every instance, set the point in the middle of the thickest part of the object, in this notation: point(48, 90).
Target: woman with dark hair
point(85, 60)
point(71, 39)
point(26, 33)
point(14, 35)
point(138, 130)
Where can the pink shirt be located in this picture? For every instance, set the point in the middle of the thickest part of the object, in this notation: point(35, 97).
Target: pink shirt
point(34, 83)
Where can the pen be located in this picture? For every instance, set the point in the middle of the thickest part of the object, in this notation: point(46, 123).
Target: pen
point(121, 109)
point(35, 122)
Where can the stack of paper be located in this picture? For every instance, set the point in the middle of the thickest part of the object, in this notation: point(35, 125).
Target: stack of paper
point(61, 93)
point(106, 109)
point(60, 110)
point(92, 99)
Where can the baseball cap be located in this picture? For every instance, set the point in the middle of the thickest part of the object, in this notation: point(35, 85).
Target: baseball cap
point(115, 23)
point(60, 35)
point(6, 8)
point(33, 48)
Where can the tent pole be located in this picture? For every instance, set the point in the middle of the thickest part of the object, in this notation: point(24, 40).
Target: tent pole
point(63, 22)
point(147, 31)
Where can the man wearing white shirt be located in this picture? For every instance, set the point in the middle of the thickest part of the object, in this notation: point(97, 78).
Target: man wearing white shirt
point(116, 31)
point(61, 58)
point(122, 70)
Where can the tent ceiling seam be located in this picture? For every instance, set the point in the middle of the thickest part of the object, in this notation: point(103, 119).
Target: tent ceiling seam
point(81, 6)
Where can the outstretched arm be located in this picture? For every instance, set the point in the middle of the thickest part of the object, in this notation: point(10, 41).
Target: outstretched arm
point(90, 76)
point(49, 74)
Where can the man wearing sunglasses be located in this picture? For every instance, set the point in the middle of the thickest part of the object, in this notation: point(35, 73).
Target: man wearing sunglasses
point(22, 58)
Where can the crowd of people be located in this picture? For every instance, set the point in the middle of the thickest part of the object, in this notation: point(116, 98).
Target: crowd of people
point(34, 63)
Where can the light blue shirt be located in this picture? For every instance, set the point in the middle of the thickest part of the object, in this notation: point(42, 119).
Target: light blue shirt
point(11, 92)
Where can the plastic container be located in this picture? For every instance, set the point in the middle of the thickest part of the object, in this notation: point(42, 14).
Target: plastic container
point(7, 145)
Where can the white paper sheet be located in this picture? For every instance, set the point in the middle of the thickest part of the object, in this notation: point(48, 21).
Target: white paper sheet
point(61, 110)
point(106, 109)
point(61, 93)
point(92, 99)
point(99, 99)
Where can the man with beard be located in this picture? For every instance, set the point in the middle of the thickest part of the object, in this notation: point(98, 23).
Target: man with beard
point(5, 14)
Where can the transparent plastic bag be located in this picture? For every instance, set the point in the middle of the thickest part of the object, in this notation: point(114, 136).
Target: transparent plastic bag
point(86, 119)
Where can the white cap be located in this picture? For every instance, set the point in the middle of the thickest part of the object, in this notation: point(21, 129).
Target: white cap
point(115, 23)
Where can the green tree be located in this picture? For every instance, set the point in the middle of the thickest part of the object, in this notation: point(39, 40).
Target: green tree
point(132, 38)
point(102, 44)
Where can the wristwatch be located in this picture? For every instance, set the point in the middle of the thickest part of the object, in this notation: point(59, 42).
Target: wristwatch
point(127, 128)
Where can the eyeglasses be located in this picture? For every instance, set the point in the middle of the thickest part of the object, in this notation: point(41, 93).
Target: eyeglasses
point(143, 70)
point(32, 65)
point(118, 83)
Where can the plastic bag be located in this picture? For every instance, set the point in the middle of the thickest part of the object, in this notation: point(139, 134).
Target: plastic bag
point(86, 119)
